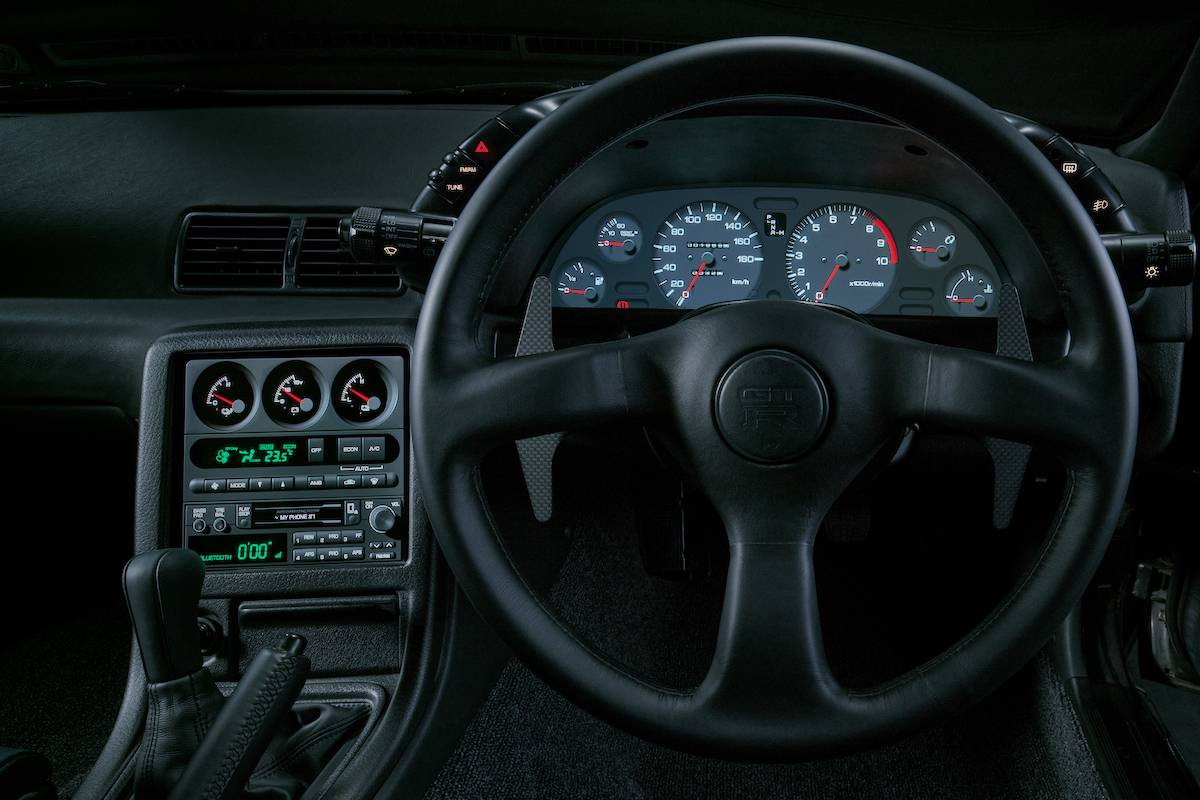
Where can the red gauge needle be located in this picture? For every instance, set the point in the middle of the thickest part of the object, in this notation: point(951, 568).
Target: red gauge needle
point(703, 264)
point(224, 400)
point(565, 290)
point(959, 300)
point(828, 281)
point(924, 249)
point(294, 397)
point(360, 395)
point(612, 244)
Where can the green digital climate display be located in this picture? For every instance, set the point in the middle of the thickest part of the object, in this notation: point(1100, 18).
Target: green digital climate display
point(246, 453)
point(243, 550)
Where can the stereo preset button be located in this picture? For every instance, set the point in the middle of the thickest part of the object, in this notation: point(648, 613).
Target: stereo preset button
point(373, 448)
point(350, 449)
point(353, 553)
point(329, 554)
point(307, 554)
point(353, 537)
point(316, 451)
point(304, 537)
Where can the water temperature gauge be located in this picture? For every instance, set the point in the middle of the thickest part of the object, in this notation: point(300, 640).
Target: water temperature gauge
point(224, 395)
point(292, 393)
point(361, 389)
point(970, 292)
point(580, 283)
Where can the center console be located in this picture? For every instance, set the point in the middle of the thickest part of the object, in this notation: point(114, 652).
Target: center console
point(294, 461)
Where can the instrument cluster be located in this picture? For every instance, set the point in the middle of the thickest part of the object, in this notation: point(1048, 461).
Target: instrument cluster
point(870, 252)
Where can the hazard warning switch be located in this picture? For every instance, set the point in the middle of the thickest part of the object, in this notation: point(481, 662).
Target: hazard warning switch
point(488, 144)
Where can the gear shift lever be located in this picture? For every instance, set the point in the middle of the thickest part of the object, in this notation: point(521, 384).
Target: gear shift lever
point(162, 590)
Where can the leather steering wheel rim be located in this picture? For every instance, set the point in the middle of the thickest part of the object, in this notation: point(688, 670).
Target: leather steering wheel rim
point(769, 694)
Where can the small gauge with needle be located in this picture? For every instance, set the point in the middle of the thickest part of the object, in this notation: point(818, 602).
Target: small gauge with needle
point(970, 292)
point(292, 393)
point(580, 283)
point(619, 238)
point(223, 395)
point(360, 391)
point(932, 242)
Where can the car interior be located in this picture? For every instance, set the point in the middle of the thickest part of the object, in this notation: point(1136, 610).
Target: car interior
point(758, 399)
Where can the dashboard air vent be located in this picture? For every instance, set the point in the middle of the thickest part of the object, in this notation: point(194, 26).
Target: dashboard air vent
point(232, 251)
point(324, 265)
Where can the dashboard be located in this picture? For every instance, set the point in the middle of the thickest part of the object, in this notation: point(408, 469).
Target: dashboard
point(682, 249)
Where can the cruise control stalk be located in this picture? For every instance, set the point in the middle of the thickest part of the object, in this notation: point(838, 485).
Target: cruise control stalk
point(409, 239)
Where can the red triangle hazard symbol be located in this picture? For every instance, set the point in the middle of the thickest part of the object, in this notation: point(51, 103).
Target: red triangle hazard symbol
point(482, 147)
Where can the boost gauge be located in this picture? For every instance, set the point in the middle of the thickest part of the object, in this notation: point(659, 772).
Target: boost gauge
point(619, 238)
point(223, 395)
point(361, 391)
point(292, 394)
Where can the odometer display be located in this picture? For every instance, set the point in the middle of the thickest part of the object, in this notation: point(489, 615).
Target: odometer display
point(842, 255)
point(706, 252)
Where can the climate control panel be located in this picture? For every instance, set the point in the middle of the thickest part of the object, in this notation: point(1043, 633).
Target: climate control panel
point(295, 460)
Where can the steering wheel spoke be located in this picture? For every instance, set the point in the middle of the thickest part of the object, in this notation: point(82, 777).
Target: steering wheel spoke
point(1044, 404)
point(561, 390)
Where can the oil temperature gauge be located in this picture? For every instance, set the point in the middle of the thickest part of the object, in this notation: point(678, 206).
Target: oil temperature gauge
point(292, 393)
point(580, 283)
point(361, 391)
point(970, 292)
point(223, 395)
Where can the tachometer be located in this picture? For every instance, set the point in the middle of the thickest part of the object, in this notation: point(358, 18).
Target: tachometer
point(706, 253)
point(842, 255)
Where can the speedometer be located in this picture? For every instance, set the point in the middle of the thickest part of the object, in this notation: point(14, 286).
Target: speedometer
point(842, 255)
point(706, 253)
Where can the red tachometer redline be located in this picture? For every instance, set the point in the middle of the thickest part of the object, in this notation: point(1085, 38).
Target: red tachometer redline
point(888, 236)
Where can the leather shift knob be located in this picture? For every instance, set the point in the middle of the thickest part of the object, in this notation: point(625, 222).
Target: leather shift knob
point(162, 590)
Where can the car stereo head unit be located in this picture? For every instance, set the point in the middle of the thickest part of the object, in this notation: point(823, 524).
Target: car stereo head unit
point(295, 461)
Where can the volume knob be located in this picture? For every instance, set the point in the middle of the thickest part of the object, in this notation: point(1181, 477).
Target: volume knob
point(382, 519)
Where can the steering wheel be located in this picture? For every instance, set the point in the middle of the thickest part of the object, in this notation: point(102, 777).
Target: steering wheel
point(767, 396)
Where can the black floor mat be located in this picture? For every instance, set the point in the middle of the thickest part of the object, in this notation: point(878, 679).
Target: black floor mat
point(61, 688)
point(529, 742)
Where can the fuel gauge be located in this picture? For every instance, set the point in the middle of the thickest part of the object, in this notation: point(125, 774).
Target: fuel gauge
point(223, 395)
point(580, 283)
point(361, 391)
point(292, 393)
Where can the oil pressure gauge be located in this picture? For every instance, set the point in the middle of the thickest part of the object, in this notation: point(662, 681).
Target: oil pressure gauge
point(292, 395)
point(360, 391)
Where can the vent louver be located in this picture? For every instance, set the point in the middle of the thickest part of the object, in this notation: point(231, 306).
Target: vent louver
point(322, 264)
point(232, 251)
